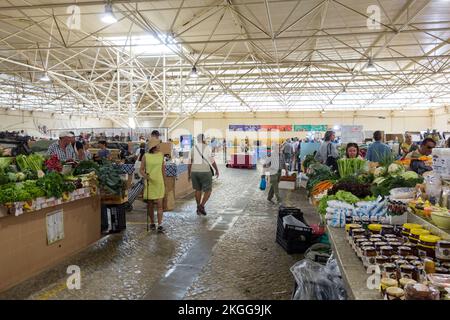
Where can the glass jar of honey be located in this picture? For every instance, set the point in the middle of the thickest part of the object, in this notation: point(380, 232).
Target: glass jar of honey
point(406, 229)
point(374, 228)
point(443, 251)
point(404, 251)
point(426, 246)
point(416, 233)
point(387, 251)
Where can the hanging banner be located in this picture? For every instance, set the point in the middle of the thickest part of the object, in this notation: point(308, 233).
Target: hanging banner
point(236, 127)
point(309, 127)
point(276, 127)
point(269, 127)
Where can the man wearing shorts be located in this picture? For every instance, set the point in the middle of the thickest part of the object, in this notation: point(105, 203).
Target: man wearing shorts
point(200, 173)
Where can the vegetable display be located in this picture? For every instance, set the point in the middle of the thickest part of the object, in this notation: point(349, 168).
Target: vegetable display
point(360, 190)
point(86, 166)
point(349, 167)
point(53, 164)
point(384, 188)
point(110, 180)
point(316, 173)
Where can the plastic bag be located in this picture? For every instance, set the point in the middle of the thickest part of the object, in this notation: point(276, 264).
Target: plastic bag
point(291, 221)
point(318, 282)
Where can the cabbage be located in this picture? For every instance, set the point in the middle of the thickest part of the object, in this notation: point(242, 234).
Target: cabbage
point(379, 180)
point(20, 176)
point(395, 169)
point(409, 175)
point(379, 171)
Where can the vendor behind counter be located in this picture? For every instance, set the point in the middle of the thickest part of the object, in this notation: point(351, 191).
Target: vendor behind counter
point(418, 164)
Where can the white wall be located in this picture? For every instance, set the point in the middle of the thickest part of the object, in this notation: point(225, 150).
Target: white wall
point(25, 120)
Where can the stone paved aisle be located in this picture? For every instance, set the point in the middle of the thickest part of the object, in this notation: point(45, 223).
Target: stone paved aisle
point(229, 254)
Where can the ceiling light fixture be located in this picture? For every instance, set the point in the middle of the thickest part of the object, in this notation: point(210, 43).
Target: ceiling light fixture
point(323, 111)
point(108, 16)
point(194, 72)
point(45, 78)
point(370, 66)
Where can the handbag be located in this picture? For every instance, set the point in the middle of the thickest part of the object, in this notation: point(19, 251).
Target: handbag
point(210, 167)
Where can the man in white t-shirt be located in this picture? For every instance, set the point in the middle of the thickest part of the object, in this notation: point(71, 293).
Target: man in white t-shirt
point(200, 172)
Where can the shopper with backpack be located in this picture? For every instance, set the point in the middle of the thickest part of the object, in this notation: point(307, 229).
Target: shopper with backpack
point(328, 153)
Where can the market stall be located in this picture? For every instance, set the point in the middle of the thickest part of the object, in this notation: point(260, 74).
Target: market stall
point(45, 215)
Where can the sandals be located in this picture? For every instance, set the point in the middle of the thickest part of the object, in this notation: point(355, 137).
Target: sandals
point(161, 229)
point(152, 226)
point(201, 209)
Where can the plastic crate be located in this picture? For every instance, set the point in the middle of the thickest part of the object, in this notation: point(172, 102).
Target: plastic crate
point(296, 212)
point(113, 218)
point(293, 239)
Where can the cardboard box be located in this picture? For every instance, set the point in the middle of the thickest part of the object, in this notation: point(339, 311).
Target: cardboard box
point(166, 148)
point(287, 185)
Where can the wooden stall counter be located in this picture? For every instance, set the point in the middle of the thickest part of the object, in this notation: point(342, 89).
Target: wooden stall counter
point(177, 184)
point(36, 241)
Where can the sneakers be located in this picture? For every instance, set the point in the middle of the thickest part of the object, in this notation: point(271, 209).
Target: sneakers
point(277, 201)
point(152, 226)
point(161, 229)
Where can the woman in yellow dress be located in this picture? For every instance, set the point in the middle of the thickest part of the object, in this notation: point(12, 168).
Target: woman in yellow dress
point(152, 169)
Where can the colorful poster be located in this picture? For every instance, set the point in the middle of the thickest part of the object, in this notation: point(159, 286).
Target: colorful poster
point(276, 127)
point(236, 127)
point(309, 127)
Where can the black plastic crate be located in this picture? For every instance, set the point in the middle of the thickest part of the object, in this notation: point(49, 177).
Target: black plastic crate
point(293, 232)
point(296, 212)
point(113, 218)
point(293, 239)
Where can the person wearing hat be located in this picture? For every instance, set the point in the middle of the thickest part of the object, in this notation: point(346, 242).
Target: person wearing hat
point(152, 169)
point(63, 148)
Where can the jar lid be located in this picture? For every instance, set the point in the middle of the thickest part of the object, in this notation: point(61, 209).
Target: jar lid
point(443, 243)
point(419, 231)
point(429, 238)
point(412, 258)
point(395, 292)
point(382, 258)
point(389, 282)
point(389, 265)
point(404, 248)
point(387, 226)
point(374, 227)
point(407, 267)
point(401, 262)
point(410, 226)
point(405, 281)
point(352, 226)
